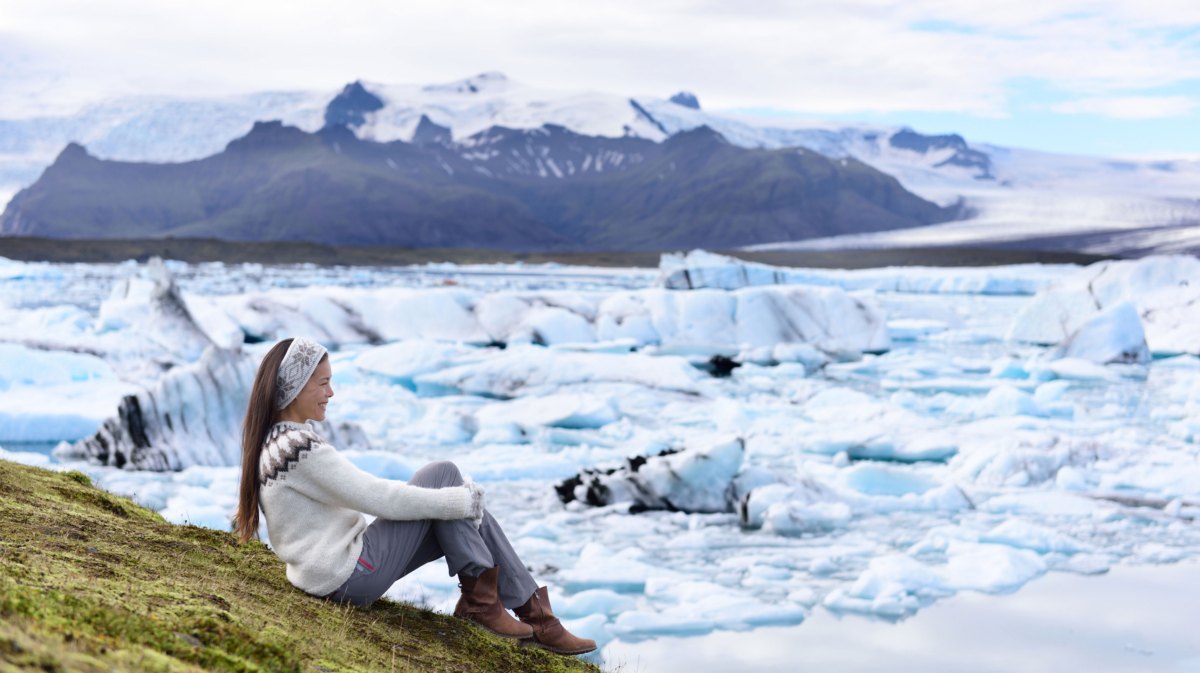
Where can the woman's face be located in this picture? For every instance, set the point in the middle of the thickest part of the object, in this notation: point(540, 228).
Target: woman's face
point(310, 403)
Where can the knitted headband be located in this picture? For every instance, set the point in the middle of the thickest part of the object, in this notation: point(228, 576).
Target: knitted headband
point(298, 365)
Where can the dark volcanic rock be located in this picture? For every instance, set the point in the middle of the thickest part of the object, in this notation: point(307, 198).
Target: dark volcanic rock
point(350, 107)
point(907, 139)
point(686, 99)
point(429, 133)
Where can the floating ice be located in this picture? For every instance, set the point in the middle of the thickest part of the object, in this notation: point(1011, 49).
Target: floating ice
point(884, 480)
point(1163, 290)
point(1025, 535)
point(151, 304)
point(1112, 335)
point(876, 473)
point(517, 370)
point(703, 323)
point(566, 410)
point(701, 269)
point(690, 480)
point(48, 396)
point(773, 501)
point(193, 416)
point(401, 362)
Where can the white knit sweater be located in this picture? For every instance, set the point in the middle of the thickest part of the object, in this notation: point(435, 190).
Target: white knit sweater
point(313, 500)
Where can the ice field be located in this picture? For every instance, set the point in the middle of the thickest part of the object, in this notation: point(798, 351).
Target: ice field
point(707, 446)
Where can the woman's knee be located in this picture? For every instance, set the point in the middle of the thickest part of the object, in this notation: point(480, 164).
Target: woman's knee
point(437, 474)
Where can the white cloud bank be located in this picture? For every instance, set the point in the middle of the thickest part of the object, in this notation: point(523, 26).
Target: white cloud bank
point(822, 57)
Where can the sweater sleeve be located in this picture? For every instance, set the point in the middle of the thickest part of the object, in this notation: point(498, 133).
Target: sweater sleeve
point(330, 477)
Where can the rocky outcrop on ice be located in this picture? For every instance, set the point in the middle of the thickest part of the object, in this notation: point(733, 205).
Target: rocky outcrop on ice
point(690, 480)
point(702, 269)
point(1164, 290)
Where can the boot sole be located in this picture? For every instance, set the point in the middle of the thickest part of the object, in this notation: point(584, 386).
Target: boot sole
point(530, 642)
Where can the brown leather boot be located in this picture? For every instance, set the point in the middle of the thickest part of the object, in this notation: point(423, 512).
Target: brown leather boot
point(548, 632)
point(480, 603)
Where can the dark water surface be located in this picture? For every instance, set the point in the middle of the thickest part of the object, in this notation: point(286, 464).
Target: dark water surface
point(1130, 620)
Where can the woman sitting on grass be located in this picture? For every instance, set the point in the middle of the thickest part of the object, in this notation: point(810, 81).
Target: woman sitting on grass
point(314, 500)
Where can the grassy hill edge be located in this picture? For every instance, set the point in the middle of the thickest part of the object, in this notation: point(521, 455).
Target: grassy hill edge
point(90, 581)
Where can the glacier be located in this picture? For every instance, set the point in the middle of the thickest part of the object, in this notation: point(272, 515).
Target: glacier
point(875, 442)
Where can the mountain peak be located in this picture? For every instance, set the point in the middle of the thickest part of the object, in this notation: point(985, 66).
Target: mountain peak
point(429, 132)
point(350, 107)
point(268, 135)
point(686, 99)
point(73, 152)
point(700, 135)
point(486, 81)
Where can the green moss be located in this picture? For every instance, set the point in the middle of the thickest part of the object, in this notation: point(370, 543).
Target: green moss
point(90, 581)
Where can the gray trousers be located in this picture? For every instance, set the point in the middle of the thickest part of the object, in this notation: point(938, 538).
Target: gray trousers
point(393, 549)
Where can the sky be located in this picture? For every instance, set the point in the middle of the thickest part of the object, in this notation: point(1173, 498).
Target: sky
point(1116, 78)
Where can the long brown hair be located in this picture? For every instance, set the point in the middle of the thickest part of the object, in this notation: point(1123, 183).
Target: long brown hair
point(261, 414)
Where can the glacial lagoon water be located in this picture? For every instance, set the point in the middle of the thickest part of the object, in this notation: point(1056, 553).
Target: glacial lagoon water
point(1129, 620)
point(918, 456)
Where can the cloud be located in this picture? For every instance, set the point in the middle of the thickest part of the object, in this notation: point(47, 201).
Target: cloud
point(1131, 107)
point(815, 57)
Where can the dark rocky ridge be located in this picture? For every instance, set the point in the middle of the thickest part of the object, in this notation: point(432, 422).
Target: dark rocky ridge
point(350, 107)
point(964, 156)
point(686, 99)
point(429, 133)
point(534, 189)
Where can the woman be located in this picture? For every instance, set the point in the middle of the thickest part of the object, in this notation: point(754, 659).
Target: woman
point(314, 500)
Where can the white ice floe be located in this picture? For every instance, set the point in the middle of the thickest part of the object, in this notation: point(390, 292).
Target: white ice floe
point(400, 362)
point(703, 323)
point(51, 396)
point(1164, 290)
point(702, 269)
point(1112, 335)
point(518, 370)
point(1041, 539)
point(897, 585)
point(565, 410)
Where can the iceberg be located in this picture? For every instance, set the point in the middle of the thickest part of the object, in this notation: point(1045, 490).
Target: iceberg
point(1114, 335)
point(688, 480)
point(192, 416)
point(709, 322)
point(701, 269)
point(1162, 289)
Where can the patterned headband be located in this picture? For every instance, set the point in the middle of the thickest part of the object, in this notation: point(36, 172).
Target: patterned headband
point(297, 367)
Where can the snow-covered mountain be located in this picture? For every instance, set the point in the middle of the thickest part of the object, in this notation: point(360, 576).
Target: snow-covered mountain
point(1103, 205)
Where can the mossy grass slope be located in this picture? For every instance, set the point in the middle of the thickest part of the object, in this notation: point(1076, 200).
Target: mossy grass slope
point(93, 582)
